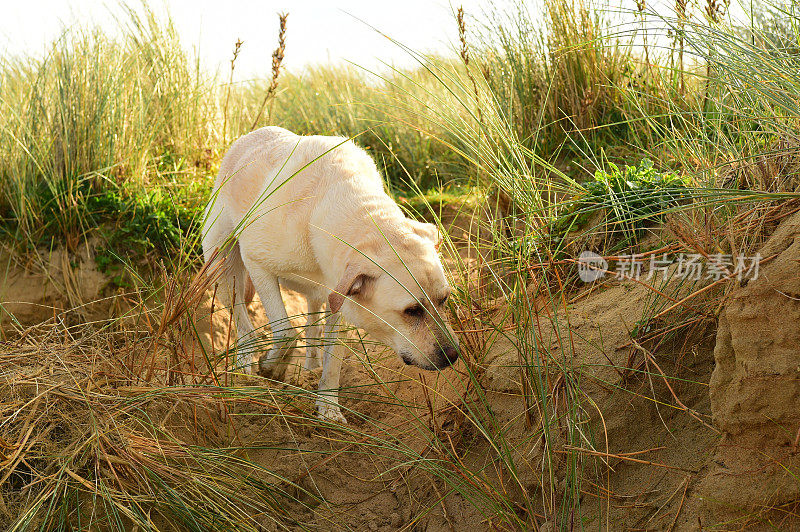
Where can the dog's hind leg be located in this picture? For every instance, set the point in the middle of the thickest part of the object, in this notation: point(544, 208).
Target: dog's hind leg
point(232, 292)
point(220, 245)
point(328, 392)
point(314, 328)
point(284, 336)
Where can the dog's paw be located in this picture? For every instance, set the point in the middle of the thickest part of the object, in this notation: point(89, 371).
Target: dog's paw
point(271, 368)
point(330, 412)
point(311, 364)
point(308, 380)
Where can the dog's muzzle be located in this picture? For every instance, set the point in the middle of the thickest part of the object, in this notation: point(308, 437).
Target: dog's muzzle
point(444, 357)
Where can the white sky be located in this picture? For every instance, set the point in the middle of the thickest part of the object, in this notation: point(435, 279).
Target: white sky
point(318, 31)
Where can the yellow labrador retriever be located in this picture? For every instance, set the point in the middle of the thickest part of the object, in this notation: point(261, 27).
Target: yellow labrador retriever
point(311, 214)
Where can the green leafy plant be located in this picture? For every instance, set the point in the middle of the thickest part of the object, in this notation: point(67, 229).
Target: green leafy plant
point(158, 221)
point(624, 200)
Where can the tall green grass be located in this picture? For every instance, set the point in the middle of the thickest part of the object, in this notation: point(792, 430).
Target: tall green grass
point(97, 114)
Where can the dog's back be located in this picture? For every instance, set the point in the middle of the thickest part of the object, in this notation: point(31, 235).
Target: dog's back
point(273, 167)
point(280, 194)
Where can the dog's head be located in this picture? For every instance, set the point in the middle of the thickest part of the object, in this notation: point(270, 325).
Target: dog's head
point(397, 292)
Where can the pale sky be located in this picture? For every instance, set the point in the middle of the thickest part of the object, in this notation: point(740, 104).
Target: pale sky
point(318, 31)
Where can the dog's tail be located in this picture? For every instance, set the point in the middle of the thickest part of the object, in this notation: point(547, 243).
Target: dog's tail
point(249, 291)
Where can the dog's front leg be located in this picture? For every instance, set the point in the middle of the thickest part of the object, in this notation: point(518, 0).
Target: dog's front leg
point(284, 337)
point(314, 331)
point(328, 398)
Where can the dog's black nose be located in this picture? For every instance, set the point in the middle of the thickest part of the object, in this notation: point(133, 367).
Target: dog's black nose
point(448, 354)
point(451, 353)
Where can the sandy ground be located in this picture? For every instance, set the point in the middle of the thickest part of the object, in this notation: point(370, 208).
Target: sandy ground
point(650, 451)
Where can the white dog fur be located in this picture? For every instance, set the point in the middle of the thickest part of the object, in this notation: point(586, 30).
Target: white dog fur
point(311, 213)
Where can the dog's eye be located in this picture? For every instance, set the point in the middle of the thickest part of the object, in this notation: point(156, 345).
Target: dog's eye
point(414, 311)
point(443, 300)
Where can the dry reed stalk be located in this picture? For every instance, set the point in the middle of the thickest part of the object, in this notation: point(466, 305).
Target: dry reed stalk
point(277, 60)
point(230, 326)
point(641, 5)
point(211, 316)
point(680, 506)
point(680, 10)
point(702, 290)
point(714, 10)
point(236, 49)
point(649, 358)
point(434, 427)
point(445, 513)
point(182, 297)
point(464, 53)
point(568, 448)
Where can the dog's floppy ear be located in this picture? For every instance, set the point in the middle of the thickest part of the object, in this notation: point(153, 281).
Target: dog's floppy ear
point(427, 231)
point(354, 281)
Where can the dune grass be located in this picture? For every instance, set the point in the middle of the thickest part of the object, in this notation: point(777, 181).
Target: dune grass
point(120, 138)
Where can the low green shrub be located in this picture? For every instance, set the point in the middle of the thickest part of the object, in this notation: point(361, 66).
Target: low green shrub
point(623, 201)
point(154, 222)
